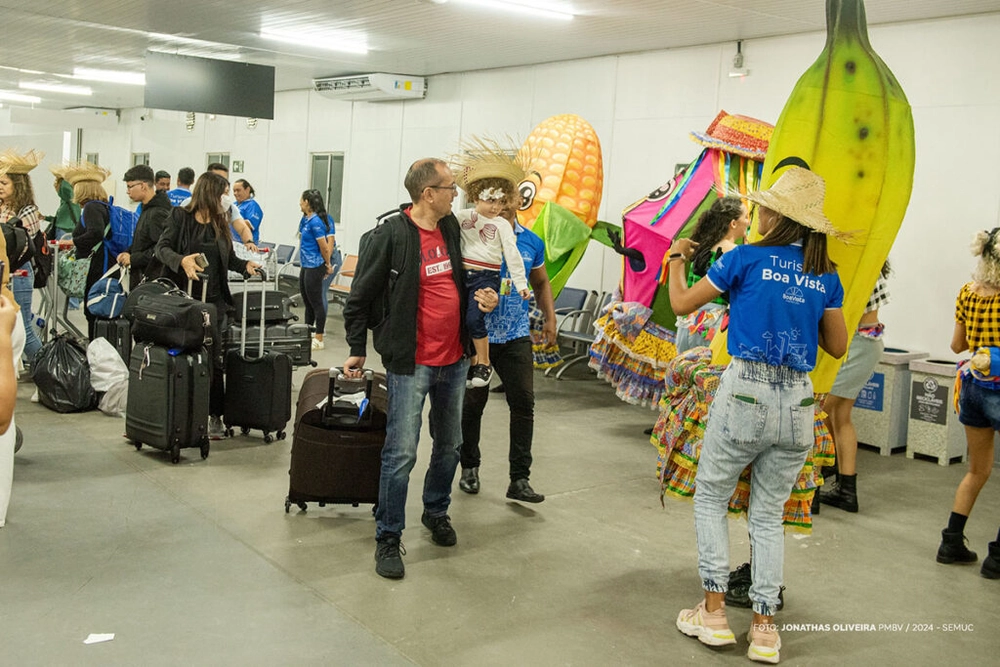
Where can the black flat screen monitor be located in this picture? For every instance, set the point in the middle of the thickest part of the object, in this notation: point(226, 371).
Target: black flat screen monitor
point(186, 83)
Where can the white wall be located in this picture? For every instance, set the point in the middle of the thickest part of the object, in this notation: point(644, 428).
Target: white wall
point(642, 106)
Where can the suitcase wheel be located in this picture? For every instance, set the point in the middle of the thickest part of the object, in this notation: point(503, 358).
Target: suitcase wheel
point(288, 505)
point(229, 432)
point(281, 435)
point(244, 430)
point(204, 449)
point(138, 445)
point(175, 455)
point(268, 439)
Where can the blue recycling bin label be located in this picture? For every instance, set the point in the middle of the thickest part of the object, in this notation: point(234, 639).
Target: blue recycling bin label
point(871, 395)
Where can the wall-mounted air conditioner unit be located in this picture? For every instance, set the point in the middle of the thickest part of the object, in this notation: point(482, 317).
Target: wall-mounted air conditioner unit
point(376, 87)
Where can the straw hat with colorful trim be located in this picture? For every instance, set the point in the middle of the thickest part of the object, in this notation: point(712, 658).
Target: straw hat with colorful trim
point(485, 158)
point(12, 162)
point(799, 194)
point(740, 135)
point(78, 172)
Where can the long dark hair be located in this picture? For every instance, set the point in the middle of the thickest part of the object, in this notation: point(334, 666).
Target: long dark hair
point(712, 227)
point(815, 259)
point(206, 198)
point(316, 205)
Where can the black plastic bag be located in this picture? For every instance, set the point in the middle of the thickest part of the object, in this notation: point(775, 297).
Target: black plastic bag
point(62, 375)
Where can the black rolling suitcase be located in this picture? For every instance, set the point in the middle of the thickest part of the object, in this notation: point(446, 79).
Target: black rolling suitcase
point(291, 338)
point(341, 463)
point(118, 332)
point(277, 307)
point(168, 399)
point(258, 388)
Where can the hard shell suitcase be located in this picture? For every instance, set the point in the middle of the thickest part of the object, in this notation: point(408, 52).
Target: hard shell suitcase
point(258, 388)
point(334, 464)
point(118, 332)
point(293, 339)
point(277, 306)
point(168, 399)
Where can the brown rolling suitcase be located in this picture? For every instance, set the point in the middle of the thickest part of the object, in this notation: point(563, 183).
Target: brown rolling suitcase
point(340, 463)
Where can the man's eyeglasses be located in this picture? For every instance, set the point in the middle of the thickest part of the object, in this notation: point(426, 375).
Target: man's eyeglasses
point(453, 187)
point(129, 186)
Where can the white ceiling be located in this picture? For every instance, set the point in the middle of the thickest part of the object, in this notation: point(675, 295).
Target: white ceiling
point(417, 37)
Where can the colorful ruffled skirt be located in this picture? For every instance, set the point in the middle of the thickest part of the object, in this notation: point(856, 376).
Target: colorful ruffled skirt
point(690, 385)
point(632, 353)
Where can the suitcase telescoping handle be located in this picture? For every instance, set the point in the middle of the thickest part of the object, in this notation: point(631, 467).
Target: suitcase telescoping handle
point(203, 279)
point(262, 275)
point(336, 373)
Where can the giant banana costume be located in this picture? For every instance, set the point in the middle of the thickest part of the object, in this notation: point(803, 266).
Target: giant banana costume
point(849, 121)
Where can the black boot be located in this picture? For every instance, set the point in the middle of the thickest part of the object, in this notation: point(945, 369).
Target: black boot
point(953, 549)
point(991, 564)
point(844, 494)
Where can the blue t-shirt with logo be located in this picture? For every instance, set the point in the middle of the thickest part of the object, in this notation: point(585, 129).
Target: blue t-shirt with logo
point(775, 308)
point(177, 196)
point(312, 229)
point(509, 320)
point(252, 213)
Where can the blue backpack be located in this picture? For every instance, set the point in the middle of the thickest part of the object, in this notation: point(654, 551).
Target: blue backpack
point(121, 228)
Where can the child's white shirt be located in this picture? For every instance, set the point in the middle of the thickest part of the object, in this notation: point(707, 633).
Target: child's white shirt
point(487, 241)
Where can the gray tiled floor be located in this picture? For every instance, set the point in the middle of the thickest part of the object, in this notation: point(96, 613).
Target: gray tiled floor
point(198, 563)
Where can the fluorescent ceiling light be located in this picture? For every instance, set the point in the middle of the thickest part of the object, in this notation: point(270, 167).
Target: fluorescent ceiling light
point(18, 97)
point(111, 76)
point(55, 88)
point(327, 41)
point(518, 8)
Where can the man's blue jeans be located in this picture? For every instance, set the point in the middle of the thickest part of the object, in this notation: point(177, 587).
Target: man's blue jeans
point(445, 385)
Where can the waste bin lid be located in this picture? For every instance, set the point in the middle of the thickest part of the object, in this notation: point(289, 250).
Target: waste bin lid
point(933, 367)
point(898, 357)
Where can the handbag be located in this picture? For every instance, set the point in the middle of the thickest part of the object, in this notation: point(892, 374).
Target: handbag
point(72, 274)
point(106, 297)
point(172, 318)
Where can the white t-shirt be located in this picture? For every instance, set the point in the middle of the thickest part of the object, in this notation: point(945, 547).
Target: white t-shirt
point(487, 241)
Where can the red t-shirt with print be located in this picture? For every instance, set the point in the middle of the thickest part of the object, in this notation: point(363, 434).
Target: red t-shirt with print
point(439, 307)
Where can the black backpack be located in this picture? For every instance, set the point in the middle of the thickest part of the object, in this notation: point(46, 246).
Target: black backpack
point(390, 222)
point(20, 247)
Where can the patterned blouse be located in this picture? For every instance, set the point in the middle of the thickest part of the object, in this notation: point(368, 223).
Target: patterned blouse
point(980, 315)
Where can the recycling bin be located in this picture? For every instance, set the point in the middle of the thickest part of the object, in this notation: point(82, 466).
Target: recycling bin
point(881, 411)
point(934, 429)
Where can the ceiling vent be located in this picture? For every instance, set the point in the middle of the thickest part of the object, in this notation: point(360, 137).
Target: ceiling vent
point(377, 87)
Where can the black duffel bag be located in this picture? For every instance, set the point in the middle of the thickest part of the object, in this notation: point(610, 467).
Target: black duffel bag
point(170, 318)
point(62, 375)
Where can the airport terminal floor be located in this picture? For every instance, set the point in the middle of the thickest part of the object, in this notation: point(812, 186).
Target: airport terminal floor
point(198, 563)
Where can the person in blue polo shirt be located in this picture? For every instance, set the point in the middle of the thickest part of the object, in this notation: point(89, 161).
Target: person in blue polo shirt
point(510, 354)
point(785, 301)
point(249, 208)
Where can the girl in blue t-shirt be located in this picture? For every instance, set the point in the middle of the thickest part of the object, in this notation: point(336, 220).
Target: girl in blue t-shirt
point(316, 244)
point(785, 300)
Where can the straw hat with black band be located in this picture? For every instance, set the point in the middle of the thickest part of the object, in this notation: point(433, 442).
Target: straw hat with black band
point(799, 195)
point(79, 172)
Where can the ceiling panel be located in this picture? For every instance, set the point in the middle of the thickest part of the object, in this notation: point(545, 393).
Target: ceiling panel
point(406, 36)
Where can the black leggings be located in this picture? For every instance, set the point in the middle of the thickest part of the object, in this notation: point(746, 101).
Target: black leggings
point(311, 288)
